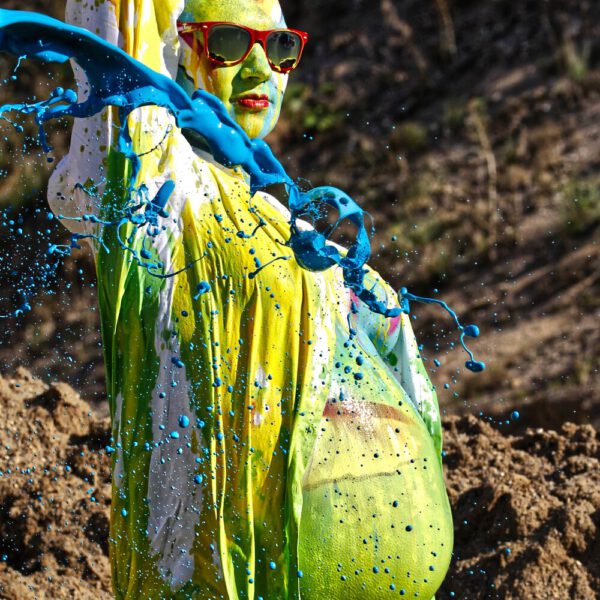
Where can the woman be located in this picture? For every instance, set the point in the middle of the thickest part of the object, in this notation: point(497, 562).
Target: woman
point(273, 437)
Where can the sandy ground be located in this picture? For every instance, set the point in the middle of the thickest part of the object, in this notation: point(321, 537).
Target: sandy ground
point(526, 507)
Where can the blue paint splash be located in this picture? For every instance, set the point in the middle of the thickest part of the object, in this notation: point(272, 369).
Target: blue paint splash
point(471, 331)
point(116, 79)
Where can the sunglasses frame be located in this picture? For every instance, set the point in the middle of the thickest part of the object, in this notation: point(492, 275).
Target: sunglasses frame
point(256, 36)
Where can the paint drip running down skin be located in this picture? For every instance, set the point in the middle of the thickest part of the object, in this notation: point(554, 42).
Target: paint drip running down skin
point(119, 80)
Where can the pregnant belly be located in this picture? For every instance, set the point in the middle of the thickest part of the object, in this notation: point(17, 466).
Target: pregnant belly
point(376, 519)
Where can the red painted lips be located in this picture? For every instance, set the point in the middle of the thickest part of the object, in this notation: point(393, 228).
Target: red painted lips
point(253, 101)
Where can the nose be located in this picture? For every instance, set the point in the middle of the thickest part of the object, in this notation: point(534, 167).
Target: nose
point(256, 66)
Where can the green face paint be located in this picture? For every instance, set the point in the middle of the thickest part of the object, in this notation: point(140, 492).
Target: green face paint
point(238, 85)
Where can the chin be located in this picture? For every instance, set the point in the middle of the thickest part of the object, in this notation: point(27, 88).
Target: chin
point(256, 125)
point(257, 131)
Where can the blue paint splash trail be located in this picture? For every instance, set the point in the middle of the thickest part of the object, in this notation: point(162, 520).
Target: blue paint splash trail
point(116, 79)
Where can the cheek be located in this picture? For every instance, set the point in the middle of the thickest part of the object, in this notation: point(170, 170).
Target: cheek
point(216, 81)
point(281, 82)
point(219, 81)
point(278, 84)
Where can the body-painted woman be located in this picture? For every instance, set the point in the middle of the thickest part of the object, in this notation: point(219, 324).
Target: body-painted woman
point(274, 438)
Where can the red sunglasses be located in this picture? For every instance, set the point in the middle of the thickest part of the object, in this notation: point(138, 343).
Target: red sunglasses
point(228, 44)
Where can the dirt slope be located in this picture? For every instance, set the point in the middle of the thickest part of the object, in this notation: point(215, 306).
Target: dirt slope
point(471, 133)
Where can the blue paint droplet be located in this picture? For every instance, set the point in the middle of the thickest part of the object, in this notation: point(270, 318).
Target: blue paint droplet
point(514, 415)
point(472, 331)
point(174, 435)
point(198, 479)
point(475, 366)
point(272, 566)
point(202, 288)
point(123, 512)
point(184, 421)
point(409, 528)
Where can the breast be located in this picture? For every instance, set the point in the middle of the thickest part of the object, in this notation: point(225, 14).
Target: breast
point(376, 518)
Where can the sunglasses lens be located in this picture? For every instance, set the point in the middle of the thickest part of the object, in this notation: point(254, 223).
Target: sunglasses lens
point(283, 49)
point(228, 43)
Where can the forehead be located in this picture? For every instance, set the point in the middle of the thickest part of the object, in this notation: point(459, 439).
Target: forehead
point(258, 14)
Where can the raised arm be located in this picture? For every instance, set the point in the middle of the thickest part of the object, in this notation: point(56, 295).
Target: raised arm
point(78, 185)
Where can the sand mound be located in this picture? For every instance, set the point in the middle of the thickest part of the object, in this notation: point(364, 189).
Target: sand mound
point(527, 508)
point(54, 494)
point(526, 512)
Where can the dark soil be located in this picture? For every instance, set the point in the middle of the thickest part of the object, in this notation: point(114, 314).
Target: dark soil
point(526, 507)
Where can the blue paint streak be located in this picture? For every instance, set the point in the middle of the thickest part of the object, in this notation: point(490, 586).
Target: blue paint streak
point(117, 79)
point(465, 331)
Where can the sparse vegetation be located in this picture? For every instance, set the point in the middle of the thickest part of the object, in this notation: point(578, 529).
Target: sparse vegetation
point(580, 205)
point(310, 110)
point(410, 137)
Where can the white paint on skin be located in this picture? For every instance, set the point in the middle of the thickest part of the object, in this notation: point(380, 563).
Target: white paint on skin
point(323, 336)
point(415, 385)
point(116, 428)
point(261, 376)
point(174, 509)
point(81, 167)
point(277, 15)
point(171, 520)
point(216, 557)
